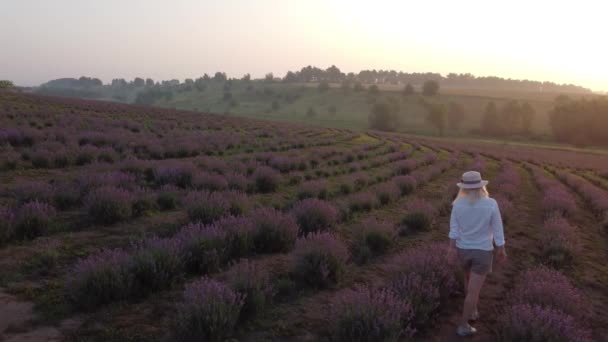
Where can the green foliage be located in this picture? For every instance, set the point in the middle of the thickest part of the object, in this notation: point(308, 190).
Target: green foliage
point(580, 122)
point(455, 115)
point(373, 90)
point(323, 86)
point(384, 115)
point(408, 90)
point(430, 88)
point(6, 84)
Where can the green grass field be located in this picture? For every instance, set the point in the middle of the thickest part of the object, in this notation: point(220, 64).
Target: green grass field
point(293, 101)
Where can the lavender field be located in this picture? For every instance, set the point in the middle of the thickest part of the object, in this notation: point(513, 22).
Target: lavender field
point(134, 223)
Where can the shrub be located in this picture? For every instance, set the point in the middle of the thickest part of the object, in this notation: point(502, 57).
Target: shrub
point(524, 322)
point(209, 312)
point(319, 259)
point(266, 179)
point(274, 231)
point(406, 184)
point(424, 279)
point(236, 181)
point(560, 243)
point(313, 189)
point(178, 175)
point(7, 224)
point(210, 181)
point(371, 238)
point(419, 215)
point(362, 201)
point(557, 200)
point(551, 289)
point(33, 191)
point(66, 195)
point(238, 202)
point(367, 314)
point(506, 207)
point(108, 204)
point(403, 167)
point(168, 197)
point(33, 219)
point(315, 215)
point(100, 278)
point(156, 265)
point(239, 235)
point(202, 247)
point(206, 207)
point(143, 203)
point(387, 193)
point(253, 282)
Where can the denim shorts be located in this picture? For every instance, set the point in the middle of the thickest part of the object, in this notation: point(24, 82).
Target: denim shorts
point(477, 261)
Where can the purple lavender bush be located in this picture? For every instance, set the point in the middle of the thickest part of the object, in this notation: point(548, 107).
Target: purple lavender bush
point(406, 184)
point(419, 216)
point(319, 259)
point(362, 201)
point(33, 219)
point(404, 167)
point(366, 315)
point(202, 247)
point(387, 192)
point(108, 204)
point(240, 232)
point(156, 265)
point(210, 181)
point(274, 231)
point(315, 215)
point(206, 207)
point(265, 179)
point(549, 288)
point(525, 322)
point(209, 312)
point(7, 224)
point(252, 281)
point(561, 242)
point(100, 278)
point(425, 280)
point(313, 189)
point(372, 237)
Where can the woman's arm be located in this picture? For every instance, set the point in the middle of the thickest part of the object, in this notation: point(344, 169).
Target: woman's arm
point(499, 234)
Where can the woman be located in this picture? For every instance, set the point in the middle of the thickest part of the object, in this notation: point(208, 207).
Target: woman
point(475, 222)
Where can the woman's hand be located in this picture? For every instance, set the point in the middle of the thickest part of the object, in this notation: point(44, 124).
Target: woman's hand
point(501, 254)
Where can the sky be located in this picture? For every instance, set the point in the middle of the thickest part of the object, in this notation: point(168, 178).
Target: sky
point(559, 41)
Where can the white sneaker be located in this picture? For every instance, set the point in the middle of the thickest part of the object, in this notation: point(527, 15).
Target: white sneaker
point(467, 330)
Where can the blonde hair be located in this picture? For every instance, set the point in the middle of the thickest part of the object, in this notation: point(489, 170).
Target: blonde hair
point(473, 195)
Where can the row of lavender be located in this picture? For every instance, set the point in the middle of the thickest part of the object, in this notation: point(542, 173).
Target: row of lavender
point(544, 304)
point(141, 187)
point(34, 135)
point(318, 260)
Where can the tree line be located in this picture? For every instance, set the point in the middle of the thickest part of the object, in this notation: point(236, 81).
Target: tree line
point(581, 122)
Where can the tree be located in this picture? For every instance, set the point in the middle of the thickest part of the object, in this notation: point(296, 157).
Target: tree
point(323, 86)
point(139, 82)
point(200, 84)
point(220, 77)
point(383, 116)
point(346, 86)
point(408, 90)
point(269, 78)
point(436, 116)
point(119, 82)
point(527, 116)
point(206, 77)
point(290, 77)
point(489, 122)
point(332, 109)
point(430, 88)
point(311, 112)
point(246, 78)
point(6, 84)
point(373, 90)
point(455, 115)
point(149, 82)
point(358, 87)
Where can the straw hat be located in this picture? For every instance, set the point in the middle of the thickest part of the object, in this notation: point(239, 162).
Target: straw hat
point(472, 180)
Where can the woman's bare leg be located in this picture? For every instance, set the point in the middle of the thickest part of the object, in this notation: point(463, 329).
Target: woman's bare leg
point(475, 282)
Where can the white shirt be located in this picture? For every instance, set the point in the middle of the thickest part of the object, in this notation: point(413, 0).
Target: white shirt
point(475, 225)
